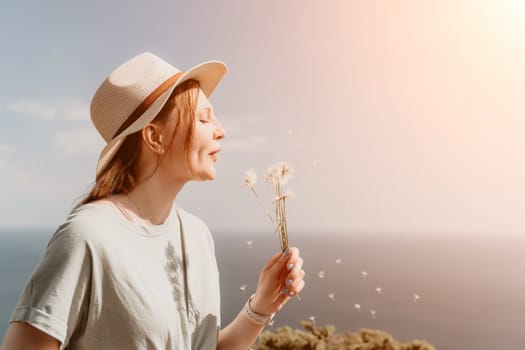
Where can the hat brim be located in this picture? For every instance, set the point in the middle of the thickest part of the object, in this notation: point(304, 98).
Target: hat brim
point(208, 74)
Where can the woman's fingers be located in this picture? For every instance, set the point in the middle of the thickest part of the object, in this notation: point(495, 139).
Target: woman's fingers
point(296, 269)
point(273, 260)
point(297, 286)
point(288, 260)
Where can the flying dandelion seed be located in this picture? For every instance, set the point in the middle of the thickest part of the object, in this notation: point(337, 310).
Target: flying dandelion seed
point(314, 163)
point(338, 261)
point(357, 307)
point(348, 206)
point(416, 297)
point(270, 323)
point(379, 290)
point(364, 273)
point(331, 296)
point(289, 132)
point(249, 243)
point(243, 288)
point(373, 312)
point(326, 182)
point(312, 318)
point(321, 274)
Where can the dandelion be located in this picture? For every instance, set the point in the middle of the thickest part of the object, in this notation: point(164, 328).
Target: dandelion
point(416, 297)
point(250, 178)
point(338, 261)
point(364, 273)
point(321, 274)
point(249, 243)
point(373, 312)
point(331, 296)
point(379, 290)
point(277, 176)
point(357, 307)
point(289, 194)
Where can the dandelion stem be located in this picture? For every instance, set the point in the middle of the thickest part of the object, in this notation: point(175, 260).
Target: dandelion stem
point(262, 205)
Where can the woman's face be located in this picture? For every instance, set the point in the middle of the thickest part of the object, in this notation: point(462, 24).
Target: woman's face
point(207, 132)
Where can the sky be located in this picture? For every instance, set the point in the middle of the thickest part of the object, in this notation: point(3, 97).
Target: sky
point(397, 116)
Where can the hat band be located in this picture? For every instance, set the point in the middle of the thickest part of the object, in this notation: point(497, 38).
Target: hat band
point(148, 101)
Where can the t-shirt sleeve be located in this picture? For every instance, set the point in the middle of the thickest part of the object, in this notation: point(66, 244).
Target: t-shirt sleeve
point(56, 296)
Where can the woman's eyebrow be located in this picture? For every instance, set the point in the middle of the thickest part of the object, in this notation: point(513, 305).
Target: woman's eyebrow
point(204, 109)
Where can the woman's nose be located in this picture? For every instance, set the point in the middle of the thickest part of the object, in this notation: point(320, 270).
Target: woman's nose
point(219, 132)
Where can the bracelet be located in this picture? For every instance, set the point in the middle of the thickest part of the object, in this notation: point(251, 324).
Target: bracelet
point(254, 316)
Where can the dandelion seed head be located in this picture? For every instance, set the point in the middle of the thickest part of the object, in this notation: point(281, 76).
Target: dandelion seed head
point(279, 173)
point(250, 178)
point(289, 194)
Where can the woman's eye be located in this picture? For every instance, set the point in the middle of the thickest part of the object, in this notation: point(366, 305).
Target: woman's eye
point(204, 121)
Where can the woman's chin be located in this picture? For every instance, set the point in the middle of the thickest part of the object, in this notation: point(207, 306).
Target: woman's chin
point(207, 176)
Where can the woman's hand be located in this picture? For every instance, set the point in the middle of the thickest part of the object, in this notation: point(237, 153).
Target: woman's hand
point(281, 278)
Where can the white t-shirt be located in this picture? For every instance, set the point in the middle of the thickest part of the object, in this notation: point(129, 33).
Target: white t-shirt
point(107, 283)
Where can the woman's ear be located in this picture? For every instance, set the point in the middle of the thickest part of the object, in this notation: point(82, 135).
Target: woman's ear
point(153, 138)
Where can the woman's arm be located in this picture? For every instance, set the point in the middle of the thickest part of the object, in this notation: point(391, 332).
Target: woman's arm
point(272, 293)
point(239, 334)
point(23, 336)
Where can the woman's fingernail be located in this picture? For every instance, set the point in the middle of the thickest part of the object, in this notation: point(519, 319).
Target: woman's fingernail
point(285, 291)
point(291, 294)
point(290, 266)
point(287, 252)
point(288, 282)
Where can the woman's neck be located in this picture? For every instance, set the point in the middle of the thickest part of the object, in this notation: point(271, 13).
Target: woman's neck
point(153, 200)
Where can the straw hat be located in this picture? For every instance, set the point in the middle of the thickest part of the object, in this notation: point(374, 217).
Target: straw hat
point(134, 93)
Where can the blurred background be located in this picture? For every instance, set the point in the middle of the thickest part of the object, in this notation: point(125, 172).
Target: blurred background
point(403, 121)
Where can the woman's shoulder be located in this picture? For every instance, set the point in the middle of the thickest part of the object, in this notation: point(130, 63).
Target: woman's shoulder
point(200, 231)
point(86, 222)
point(191, 219)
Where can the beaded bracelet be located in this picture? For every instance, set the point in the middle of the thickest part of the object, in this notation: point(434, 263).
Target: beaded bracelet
point(254, 316)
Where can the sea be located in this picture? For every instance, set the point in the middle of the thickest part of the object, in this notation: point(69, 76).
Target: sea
point(458, 292)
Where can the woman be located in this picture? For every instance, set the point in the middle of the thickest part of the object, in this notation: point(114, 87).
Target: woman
point(129, 269)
